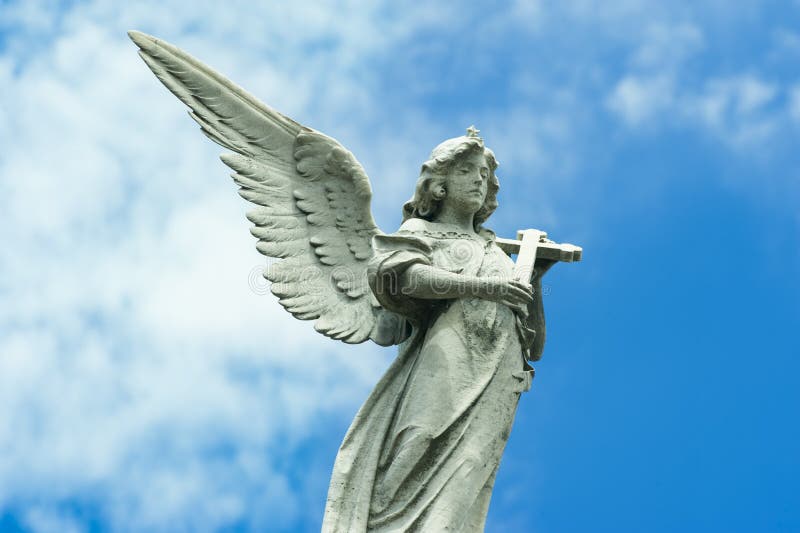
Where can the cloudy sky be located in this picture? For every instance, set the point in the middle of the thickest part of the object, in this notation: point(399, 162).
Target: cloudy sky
point(148, 382)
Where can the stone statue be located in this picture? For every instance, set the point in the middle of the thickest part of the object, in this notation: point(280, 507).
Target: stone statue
point(423, 451)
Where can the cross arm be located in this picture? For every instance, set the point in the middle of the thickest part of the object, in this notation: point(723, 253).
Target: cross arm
point(568, 253)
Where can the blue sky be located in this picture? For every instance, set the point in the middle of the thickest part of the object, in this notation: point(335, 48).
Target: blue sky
point(146, 385)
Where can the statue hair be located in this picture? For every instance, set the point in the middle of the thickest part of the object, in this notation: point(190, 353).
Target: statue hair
point(432, 182)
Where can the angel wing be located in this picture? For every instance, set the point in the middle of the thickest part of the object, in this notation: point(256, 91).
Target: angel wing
point(312, 196)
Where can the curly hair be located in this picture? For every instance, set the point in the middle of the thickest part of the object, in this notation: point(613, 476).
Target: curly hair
point(432, 182)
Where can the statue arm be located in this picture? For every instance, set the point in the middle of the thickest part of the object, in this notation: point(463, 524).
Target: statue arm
point(431, 283)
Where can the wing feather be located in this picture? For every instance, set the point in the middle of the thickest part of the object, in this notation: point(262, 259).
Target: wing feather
point(312, 196)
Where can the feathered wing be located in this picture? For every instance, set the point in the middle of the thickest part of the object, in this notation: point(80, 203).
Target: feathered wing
point(312, 195)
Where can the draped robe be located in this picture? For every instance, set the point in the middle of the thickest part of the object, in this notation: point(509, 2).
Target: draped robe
point(423, 451)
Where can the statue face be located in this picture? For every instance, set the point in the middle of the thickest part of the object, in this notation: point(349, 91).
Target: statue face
point(467, 183)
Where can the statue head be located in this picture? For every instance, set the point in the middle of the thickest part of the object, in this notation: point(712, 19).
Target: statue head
point(431, 187)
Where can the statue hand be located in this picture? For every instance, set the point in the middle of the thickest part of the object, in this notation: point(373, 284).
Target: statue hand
point(515, 294)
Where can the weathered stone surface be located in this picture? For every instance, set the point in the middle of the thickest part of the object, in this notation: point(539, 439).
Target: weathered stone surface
point(423, 451)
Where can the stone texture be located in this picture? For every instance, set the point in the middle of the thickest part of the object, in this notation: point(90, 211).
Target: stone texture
point(424, 449)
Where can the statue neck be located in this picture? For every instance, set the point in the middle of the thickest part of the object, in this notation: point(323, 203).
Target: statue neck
point(456, 217)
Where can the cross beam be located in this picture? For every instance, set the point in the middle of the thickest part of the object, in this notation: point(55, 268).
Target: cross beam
point(532, 244)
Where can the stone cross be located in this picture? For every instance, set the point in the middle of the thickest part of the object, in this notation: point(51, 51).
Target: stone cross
point(532, 244)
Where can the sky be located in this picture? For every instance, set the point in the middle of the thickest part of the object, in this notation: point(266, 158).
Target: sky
point(150, 382)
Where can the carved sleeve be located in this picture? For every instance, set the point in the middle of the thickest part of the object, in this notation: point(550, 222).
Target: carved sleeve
point(393, 255)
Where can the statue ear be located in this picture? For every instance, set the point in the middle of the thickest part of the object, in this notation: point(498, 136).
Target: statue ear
point(439, 192)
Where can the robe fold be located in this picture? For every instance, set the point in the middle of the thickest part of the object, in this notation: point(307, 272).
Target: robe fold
point(423, 451)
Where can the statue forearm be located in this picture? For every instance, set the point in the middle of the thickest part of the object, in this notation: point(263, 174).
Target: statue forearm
point(428, 282)
point(432, 283)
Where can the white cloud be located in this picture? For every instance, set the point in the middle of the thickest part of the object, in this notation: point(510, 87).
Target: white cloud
point(648, 90)
point(665, 47)
point(787, 42)
point(794, 103)
point(527, 11)
point(660, 89)
point(752, 94)
point(735, 109)
point(138, 371)
point(639, 99)
point(45, 521)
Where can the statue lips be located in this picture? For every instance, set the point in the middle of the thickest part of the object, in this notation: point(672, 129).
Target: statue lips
point(478, 193)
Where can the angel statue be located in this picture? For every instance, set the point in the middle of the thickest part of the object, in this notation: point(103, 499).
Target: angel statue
point(424, 449)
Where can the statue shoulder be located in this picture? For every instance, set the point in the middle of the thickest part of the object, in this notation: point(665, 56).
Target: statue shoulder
point(415, 225)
